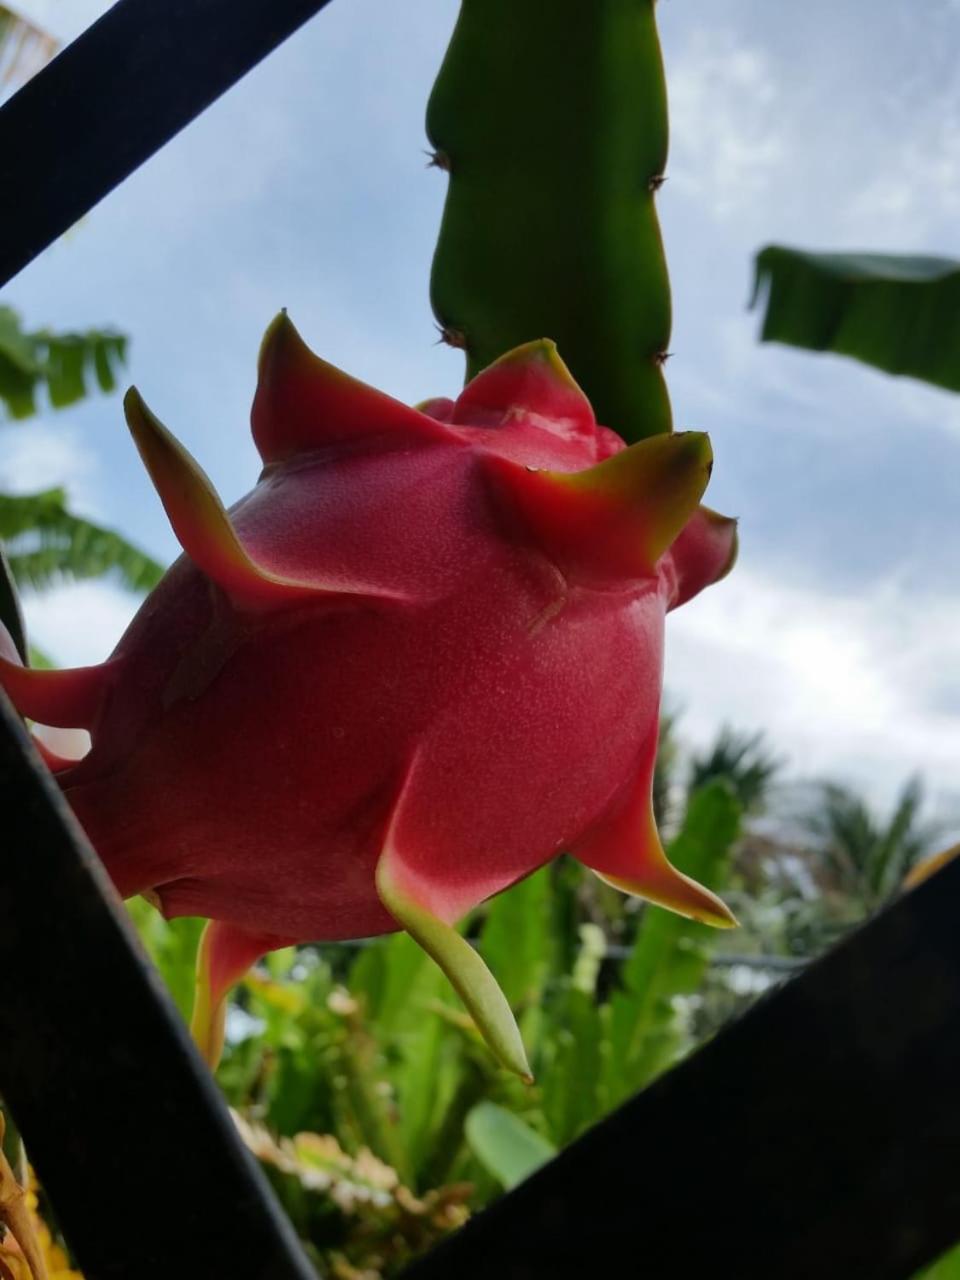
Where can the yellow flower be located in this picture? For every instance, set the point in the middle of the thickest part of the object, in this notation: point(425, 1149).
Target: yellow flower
point(13, 1265)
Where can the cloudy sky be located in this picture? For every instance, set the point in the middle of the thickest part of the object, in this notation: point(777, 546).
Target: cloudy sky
point(305, 187)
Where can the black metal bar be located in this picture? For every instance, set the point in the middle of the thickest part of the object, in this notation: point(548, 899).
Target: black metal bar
point(818, 1136)
point(113, 98)
point(125, 1126)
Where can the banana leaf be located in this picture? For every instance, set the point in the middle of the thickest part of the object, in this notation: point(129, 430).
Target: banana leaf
point(900, 314)
point(47, 544)
point(64, 365)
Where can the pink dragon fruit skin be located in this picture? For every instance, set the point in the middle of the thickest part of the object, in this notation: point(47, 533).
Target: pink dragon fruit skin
point(418, 661)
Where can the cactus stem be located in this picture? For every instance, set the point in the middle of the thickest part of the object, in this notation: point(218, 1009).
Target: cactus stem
point(550, 228)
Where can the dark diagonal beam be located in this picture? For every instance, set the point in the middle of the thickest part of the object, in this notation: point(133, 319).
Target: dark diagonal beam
point(127, 1131)
point(113, 98)
point(819, 1136)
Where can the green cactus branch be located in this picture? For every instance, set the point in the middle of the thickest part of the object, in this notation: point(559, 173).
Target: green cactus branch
point(552, 124)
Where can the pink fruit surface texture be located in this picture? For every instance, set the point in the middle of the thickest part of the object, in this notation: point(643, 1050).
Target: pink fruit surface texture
point(419, 660)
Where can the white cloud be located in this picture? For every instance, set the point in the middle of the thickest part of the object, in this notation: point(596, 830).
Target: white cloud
point(725, 145)
point(918, 191)
point(79, 625)
point(39, 455)
point(854, 686)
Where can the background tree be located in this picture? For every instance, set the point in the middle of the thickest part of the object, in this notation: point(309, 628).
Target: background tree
point(864, 859)
point(45, 542)
point(744, 760)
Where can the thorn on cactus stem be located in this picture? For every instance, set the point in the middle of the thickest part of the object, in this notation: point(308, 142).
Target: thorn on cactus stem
point(656, 182)
point(661, 357)
point(438, 160)
point(452, 337)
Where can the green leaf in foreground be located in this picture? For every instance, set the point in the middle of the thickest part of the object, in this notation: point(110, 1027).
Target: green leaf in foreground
point(900, 314)
point(506, 1146)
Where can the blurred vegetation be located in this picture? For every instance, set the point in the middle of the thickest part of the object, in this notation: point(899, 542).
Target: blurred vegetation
point(364, 1089)
point(13, 1264)
point(62, 368)
point(43, 541)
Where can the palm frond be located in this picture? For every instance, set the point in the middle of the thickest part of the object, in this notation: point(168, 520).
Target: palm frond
point(868, 858)
point(47, 544)
point(906, 839)
point(64, 366)
point(744, 760)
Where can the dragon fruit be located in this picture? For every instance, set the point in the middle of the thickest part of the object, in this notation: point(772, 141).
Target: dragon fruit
point(421, 659)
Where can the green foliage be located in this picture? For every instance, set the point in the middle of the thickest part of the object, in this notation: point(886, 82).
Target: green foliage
point(173, 949)
point(368, 1047)
point(668, 754)
point(510, 1149)
point(743, 760)
point(361, 1221)
point(900, 314)
point(63, 366)
point(574, 1041)
point(518, 940)
point(550, 226)
point(46, 544)
point(670, 955)
point(866, 858)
